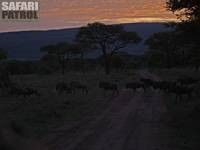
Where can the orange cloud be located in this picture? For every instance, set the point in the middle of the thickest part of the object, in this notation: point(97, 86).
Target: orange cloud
point(69, 13)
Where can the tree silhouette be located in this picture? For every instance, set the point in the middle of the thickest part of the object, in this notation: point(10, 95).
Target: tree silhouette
point(189, 13)
point(190, 9)
point(61, 51)
point(4, 75)
point(3, 54)
point(194, 57)
point(79, 49)
point(164, 48)
point(108, 38)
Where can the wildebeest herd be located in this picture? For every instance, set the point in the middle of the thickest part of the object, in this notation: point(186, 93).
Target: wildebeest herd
point(71, 88)
point(183, 86)
point(13, 89)
point(180, 87)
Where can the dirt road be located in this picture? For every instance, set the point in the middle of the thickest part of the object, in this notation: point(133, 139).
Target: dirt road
point(132, 121)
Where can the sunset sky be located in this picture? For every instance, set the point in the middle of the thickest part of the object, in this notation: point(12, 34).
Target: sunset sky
point(56, 14)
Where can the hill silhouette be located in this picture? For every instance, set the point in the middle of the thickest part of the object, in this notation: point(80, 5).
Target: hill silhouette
point(26, 44)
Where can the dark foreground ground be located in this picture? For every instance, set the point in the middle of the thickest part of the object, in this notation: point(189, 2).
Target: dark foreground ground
point(139, 120)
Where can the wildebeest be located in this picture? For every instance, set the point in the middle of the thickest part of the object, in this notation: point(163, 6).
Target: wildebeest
point(31, 91)
point(187, 81)
point(4, 79)
point(5, 82)
point(147, 82)
point(109, 86)
point(75, 85)
point(13, 137)
point(180, 91)
point(63, 87)
point(163, 85)
point(17, 91)
point(135, 85)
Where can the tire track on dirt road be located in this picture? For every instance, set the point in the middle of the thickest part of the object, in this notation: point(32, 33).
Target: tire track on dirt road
point(106, 126)
point(131, 122)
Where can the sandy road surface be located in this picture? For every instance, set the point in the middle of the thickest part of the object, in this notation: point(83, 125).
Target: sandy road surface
point(132, 121)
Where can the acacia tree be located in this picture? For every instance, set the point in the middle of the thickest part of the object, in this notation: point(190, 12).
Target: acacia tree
point(194, 57)
point(189, 13)
point(107, 38)
point(3, 54)
point(79, 49)
point(188, 9)
point(61, 51)
point(4, 75)
point(164, 48)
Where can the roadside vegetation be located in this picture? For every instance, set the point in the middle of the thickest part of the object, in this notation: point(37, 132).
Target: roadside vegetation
point(65, 86)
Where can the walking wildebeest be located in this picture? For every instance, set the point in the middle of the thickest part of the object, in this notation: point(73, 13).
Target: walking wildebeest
point(63, 87)
point(187, 81)
point(79, 86)
point(109, 87)
point(180, 91)
point(147, 82)
point(17, 91)
point(135, 85)
point(31, 91)
point(5, 82)
point(163, 85)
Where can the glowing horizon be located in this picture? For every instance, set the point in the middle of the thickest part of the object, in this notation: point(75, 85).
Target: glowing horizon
point(69, 14)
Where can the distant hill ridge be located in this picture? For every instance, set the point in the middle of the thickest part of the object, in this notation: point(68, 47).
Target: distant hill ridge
point(26, 44)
